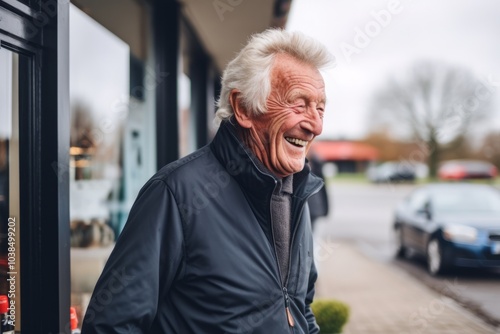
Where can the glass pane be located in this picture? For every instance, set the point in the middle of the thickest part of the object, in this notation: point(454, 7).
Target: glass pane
point(187, 126)
point(187, 123)
point(10, 297)
point(99, 99)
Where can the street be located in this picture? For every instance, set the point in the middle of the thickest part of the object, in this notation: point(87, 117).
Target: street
point(363, 214)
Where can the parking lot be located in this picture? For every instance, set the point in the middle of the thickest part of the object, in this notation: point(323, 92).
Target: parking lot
point(363, 213)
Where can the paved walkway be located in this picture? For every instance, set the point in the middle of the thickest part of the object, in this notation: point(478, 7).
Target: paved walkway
point(385, 300)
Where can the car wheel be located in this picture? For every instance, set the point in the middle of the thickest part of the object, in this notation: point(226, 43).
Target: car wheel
point(435, 263)
point(398, 239)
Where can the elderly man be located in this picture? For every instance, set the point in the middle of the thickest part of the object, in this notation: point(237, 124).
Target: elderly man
point(220, 241)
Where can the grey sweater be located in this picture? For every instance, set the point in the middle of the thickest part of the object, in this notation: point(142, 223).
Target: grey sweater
point(281, 204)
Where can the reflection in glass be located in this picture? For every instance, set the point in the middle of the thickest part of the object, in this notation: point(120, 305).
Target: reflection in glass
point(9, 183)
point(99, 100)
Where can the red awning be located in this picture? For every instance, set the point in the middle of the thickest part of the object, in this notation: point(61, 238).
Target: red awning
point(344, 150)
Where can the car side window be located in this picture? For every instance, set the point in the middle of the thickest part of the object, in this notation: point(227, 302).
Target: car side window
point(418, 200)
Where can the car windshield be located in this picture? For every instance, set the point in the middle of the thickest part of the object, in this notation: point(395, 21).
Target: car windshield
point(466, 199)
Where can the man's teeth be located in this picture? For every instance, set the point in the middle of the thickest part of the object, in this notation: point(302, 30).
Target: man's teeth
point(296, 141)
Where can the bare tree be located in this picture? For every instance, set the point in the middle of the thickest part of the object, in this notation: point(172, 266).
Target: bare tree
point(435, 104)
point(490, 149)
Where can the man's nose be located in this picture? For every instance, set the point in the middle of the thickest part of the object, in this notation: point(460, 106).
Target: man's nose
point(313, 122)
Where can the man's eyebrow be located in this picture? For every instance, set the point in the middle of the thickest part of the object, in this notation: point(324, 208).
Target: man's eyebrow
point(322, 100)
point(302, 95)
point(297, 95)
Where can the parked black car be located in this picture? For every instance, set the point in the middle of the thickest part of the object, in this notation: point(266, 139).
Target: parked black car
point(392, 171)
point(452, 225)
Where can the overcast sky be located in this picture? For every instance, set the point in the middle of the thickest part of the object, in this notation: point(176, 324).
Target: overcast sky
point(458, 32)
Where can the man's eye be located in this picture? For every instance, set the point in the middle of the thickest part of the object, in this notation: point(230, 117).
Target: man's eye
point(299, 103)
point(300, 107)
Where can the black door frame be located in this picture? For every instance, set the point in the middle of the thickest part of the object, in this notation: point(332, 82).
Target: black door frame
point(166, 28)
point(38, 30)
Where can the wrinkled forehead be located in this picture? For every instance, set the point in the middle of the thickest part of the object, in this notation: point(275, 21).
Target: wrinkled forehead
point(296, 77)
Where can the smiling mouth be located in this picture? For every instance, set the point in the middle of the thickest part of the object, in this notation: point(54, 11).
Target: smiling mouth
point(296, 142)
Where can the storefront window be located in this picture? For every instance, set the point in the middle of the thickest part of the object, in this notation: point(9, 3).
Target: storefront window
point(113, 81)
point(99, 100)
point(10, 219)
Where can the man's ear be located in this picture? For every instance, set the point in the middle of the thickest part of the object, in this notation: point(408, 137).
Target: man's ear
point(240, 112)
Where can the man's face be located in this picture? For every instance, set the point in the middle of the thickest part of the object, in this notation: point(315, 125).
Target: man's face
point(282, 136)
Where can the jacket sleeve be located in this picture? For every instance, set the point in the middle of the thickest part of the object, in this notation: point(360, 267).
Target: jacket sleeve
point(311, 320)
point(142, 266)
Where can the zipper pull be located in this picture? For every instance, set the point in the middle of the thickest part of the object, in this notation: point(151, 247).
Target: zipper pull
point(291, 322)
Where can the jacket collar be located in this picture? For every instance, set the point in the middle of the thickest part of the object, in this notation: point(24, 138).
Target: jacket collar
point(251, 175)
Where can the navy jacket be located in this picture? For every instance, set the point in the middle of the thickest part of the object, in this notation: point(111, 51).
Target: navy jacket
point(197, 253)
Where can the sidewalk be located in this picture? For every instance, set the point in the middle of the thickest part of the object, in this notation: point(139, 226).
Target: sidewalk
point(384, 300)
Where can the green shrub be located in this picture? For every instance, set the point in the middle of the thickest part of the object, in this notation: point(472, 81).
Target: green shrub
point(331, 315)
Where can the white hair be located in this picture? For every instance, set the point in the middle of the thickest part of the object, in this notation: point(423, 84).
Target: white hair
point(250, 71)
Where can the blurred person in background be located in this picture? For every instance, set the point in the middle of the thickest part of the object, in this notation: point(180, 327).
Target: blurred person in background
point(220, 241)
point(318, 203)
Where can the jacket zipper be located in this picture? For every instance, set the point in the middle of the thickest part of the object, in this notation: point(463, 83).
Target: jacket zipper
point(289, 316)
point(291, 321)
